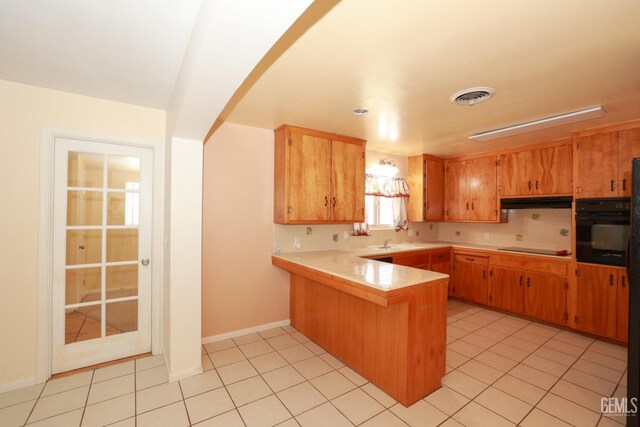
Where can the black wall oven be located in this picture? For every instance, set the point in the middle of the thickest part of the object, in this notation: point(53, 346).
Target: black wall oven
point(602, 230)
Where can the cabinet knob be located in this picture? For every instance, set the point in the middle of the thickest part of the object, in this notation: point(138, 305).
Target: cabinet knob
point(611, 185)
point(528, 282)
point(529, 184)
point(611, 280)
point(326, 200)
point(537, 184)
point(334, 202)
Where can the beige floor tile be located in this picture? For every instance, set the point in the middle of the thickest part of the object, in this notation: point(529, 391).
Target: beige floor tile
point(16, 415)
point(590, 382)
point(621, 392)
point(67, 383)
point(353, 376)
point(313, 367)
point(206, 363)
point(464, 384)
point(455, 359)
point(282, 341)
point(68, 419)
point(451, 423)
point(174, 415)
point(149, 362)
point(291, 422)
point(504, 404)
point(332, 361)
point(200, 383)
point(268, 362)
point(282, 378)
point(257, 348)
point(491, 333)
point(111, 388)
point(323, 415)
point(568, 411)
point(208, 405)
point(22, 395)
point(474, 415)
point(236, 372)
point(358, 406)
point(315, 348)
point(385, 419)
point(496, 361)
point(289, 329)
point(465, 325)
point(383, 398)
point(447, 400)
point(579, 395)
point(606, 421)
point(534, 376)
point(274, 332)
point(203, 350)
point(545, 365)
point(114, 371)
point(109, 411)
point(219, 345)
point(296, 353)
point(604, 360)
point(613, 350)
point(228, 419)
point(227, 357)
point(479, 341)
point(538, 418)
point(478, 320)
point(509, 352)
point(420, 414)
point(332, 384)
point(301, 398)
point(157, 396)
point(151, 377)
point(598, 370)
point(456, 332)
point(520, 343)
point(556, 356)
point(532, 337)
point(465, 349)
point(564, 347)
point(248, 390)
point(248, 338)
point(265, 412)
point(502, 328)
point(59, 403)
point(521, 389)
point(300, 337)
point(574, 339)
point(540, 329)
point(480, 371)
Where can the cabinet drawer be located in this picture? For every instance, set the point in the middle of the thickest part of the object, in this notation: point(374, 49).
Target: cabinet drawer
point(440, 256)
point(412, 260)
point(473, 259)
point(531, 264)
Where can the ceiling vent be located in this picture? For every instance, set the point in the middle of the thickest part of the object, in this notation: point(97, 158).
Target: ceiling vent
point(472, 96)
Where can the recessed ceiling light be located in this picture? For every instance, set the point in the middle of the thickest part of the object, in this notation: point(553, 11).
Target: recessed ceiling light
point(472, 96)
point(360, 111)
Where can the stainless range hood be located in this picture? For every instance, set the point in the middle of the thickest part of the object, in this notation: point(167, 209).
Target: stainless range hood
point(560, 202)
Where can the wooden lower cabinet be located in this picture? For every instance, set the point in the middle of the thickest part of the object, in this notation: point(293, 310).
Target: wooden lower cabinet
point(597, 300)
point(469, 280)
point(506, 289)
point(623, 307)
point(545, 297)
point(399, 347)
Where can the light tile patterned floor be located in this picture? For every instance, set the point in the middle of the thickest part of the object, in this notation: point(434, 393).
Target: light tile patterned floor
point(501, 371)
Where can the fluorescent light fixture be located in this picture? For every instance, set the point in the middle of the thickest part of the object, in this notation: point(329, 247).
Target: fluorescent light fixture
point(549, 122)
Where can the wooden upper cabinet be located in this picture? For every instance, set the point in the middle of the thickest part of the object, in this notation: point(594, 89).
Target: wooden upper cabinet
point(544, 171)
point(597, 300)
point(426, 186)
point(596, 164)
point(483, 189)
point(319, 177)
point(456, 190)
point(628, 148)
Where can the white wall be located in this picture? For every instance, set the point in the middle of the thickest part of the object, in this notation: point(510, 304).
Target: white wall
point(24, 110)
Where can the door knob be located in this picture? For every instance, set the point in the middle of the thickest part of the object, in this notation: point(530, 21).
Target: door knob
point(145, 262)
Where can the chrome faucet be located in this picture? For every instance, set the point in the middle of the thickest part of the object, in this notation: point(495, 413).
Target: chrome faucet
point(386, 243)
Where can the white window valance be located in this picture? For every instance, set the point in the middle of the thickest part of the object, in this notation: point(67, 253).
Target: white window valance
point(384, 186)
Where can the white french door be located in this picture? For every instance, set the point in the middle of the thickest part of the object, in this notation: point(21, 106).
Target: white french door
point(101, 284)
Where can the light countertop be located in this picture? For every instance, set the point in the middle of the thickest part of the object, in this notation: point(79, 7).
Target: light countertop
point(349, 264)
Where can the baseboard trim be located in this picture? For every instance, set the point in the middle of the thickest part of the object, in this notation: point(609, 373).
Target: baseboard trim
point(233, 334)
point(185, 374)
point(15, 385)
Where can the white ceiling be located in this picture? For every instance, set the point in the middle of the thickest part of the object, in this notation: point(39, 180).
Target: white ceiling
point(403, 60)
point(122, 50)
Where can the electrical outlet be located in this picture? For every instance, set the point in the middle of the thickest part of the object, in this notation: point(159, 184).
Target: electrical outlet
point(487, 236)
point(335, 237)
point(296, 242)
point(345, 235)
point(309, 231)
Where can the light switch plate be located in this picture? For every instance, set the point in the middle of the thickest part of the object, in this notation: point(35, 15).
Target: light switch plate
point(296, 242)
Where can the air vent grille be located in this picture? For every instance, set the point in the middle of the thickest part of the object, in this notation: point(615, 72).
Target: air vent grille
point(472, 96)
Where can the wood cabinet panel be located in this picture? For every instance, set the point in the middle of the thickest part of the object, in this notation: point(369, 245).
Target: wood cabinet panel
point(530, 263)
point(456, 191)
point(596, 153)
point(426, 186)
point(545, 297)
point(515, 173)
point(623, 307)
point(628, 148)
point(348, 166)
point(473, 259)
point(417, 188)
point(506, 289)
point(553, 170)
point(470, 281)
point(483, 189)
point(420, 260)
point(435, 189)
point(596, 300)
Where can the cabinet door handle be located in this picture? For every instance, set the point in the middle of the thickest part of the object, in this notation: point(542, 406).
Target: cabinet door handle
point(624, 184)
point(611, 279)
point(611, 184)
point(528, 282)
point(484, 274)
point(529, 184)
point(326, 201)
point(470, 259)
point(520, 280)
point(472, 206)
point(334, 202)
point(624, 282)
point(537, 185)
point(467, 205)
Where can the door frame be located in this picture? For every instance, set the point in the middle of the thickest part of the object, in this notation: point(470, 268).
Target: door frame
point(45, 238)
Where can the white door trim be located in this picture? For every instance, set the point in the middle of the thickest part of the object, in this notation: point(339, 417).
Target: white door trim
point(45, 238)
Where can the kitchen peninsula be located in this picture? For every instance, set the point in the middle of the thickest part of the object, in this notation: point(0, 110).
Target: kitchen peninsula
point(387, 322)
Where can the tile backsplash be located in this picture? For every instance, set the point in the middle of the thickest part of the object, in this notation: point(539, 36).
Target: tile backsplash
point(530, 228)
